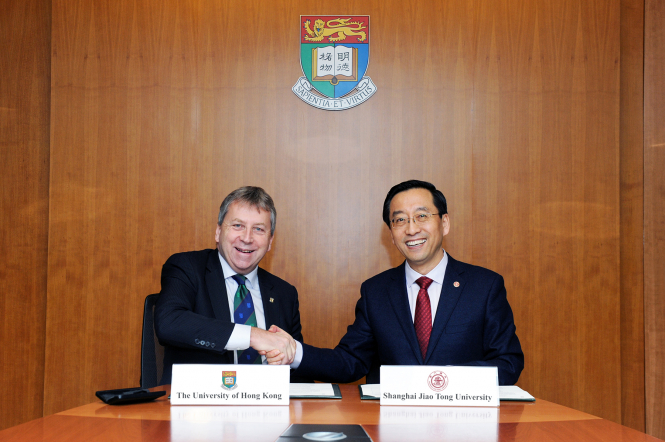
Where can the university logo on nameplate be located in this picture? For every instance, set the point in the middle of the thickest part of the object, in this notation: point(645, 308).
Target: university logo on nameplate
point(334, 56)
point(210, 384)
point(439, 386)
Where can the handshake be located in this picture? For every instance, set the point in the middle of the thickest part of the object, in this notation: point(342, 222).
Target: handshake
point(275, 344)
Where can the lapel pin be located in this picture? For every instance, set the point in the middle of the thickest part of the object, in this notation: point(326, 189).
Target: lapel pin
point(456, 284)
point(272, 299)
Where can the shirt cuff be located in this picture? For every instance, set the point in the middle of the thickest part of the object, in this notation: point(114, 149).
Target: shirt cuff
point(296, 361)
point(239, 339)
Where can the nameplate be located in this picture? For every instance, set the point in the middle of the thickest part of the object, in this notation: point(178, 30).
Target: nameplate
point(206, 384)
point(439, 386)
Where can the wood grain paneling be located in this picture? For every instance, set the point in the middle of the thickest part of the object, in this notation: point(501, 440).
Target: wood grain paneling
point(24, 153)
point(631, 214)
point(654, 215)
point(545, 189)
point(159, 109)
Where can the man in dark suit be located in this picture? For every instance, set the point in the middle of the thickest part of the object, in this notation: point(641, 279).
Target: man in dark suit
point(215, 304)
point(431, 310)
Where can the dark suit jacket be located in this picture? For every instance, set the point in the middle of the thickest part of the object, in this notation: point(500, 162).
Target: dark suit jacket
point(192, 315)
point(473, 326)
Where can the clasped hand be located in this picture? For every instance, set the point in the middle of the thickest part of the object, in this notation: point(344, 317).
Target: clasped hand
point(275, 344)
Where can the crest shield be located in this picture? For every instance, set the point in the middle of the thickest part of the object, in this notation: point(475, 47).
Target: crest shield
point(229, 379)
point(334, 56)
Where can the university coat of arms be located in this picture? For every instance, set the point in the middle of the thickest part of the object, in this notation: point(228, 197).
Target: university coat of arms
point(334, 55)
point(229, 382)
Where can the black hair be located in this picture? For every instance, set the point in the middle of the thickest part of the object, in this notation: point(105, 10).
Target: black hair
point(437, 196)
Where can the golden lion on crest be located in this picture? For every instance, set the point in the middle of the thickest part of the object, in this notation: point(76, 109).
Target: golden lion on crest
point(340, 26)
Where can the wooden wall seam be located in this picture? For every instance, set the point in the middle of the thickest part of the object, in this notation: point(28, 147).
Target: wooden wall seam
point(654, 214)
point(25, 33)
point(631, 214)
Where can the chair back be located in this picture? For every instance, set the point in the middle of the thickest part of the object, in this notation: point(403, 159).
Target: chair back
point(152, 352)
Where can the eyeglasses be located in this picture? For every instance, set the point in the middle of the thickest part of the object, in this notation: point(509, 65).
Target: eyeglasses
point(419, 219)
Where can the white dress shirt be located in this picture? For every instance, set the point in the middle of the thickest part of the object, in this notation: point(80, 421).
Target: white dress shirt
point(434, 290)
point(239, 339)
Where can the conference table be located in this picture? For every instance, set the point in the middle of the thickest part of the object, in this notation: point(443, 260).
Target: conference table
point(159, 421)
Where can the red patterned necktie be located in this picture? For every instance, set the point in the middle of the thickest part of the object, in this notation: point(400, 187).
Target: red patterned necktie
point(423, 317)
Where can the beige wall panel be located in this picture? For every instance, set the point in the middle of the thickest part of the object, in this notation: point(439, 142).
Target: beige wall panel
point(654, 215)
point(510, 107)
point(24, 172)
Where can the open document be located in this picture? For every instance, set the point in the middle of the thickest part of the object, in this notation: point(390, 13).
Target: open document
point(514, 393)
point(314, 391)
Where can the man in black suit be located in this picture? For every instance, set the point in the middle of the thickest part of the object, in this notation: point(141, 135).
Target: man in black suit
point(215, 304)
point(430, 310)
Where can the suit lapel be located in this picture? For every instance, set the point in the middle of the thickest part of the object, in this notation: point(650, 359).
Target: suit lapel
point(270, 308)
point(447, 302)
point(399, 299)
point(217, 287)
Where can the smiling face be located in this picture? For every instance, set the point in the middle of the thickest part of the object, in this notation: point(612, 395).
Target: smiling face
point(244, 237)
point(420, 244)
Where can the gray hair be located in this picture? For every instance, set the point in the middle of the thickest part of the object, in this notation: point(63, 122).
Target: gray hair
point(255, 197)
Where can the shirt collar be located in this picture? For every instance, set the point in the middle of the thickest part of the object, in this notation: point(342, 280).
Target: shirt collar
point(436, 274)
point(252, 277)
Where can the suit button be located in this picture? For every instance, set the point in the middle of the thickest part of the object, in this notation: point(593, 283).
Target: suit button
point(212, 345)
point(207, 344)
point(196, 341)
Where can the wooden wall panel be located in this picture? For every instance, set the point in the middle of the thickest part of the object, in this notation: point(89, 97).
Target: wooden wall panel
point(654, 215)
point(510, 107)
point(631, 130)
point(545, 190)
point(24, 152)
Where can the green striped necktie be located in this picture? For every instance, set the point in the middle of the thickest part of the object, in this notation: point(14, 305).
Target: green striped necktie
point(244, 314)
